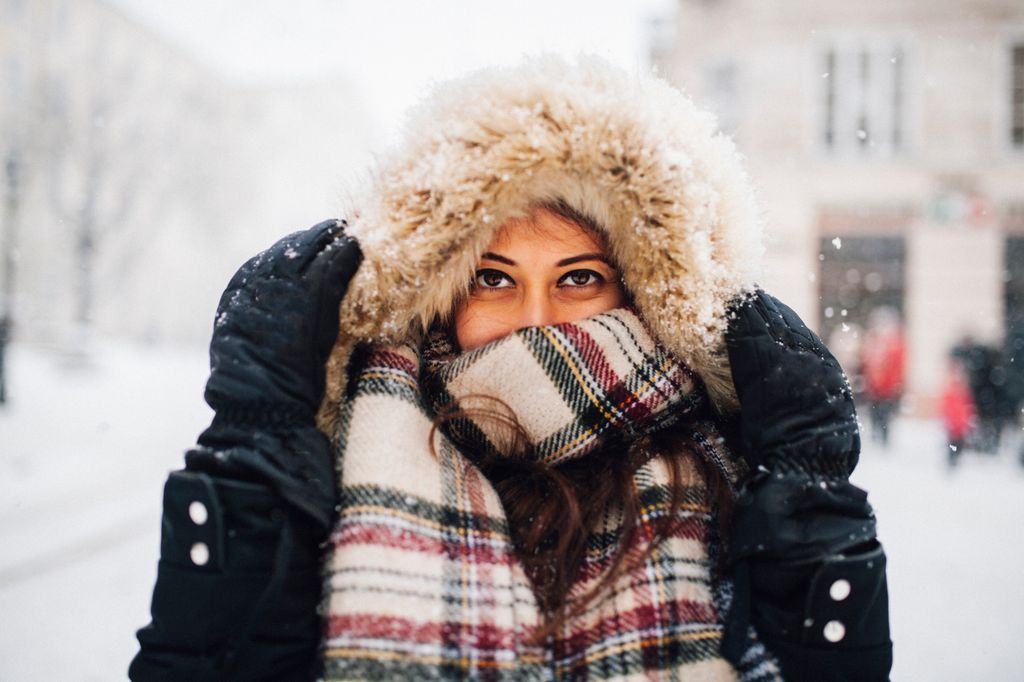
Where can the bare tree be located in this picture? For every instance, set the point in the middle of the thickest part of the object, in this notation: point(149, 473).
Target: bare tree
point(12, 203)
point(115, 148)
point(97, 161)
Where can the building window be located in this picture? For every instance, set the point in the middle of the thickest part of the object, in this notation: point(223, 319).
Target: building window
point(864, 99)
point(661, 37)
point(15, 81)
point(1017, 96)
point(721, 93)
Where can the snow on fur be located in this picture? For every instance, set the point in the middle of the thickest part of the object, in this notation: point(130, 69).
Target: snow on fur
point(629, 150)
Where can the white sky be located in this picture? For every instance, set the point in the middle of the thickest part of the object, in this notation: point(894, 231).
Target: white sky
point(391, 50)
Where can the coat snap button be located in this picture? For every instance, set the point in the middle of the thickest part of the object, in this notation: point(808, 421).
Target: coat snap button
point(839, 590)
point(200, 554)
point(197, 512)
point(834, 631)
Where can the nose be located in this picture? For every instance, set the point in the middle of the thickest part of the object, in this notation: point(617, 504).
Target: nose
point(537, 309)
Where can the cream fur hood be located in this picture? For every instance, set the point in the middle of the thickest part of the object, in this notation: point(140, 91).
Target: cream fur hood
point(628, 150)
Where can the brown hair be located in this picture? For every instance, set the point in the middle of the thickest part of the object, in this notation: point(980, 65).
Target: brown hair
point(553, 509)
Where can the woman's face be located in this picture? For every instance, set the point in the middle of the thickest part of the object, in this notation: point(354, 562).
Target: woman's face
point(538, 271)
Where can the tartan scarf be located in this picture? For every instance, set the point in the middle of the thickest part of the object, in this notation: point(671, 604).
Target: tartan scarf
point(610, 384)
point(422, 578)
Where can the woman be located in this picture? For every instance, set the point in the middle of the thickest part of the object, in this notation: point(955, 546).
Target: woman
point(572, 440)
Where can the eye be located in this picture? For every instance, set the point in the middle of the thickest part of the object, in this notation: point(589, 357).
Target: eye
point(491, 279)
point(580, 278)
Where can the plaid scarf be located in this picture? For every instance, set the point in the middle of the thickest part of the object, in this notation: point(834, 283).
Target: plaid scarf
point(422, 576)
point(610, 383)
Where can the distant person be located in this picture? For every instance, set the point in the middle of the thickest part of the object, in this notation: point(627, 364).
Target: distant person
point(991, 389)
point(882, 366)
point(956, 406)
point(5, 337)
point(1015, 381)
point(1004, 401)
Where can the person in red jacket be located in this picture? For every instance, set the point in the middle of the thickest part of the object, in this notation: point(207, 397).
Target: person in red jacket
point(882, 366)
point(957, 410)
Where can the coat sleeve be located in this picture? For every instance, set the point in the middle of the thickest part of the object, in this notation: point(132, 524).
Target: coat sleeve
point(827, 619)
point(809, 572)
point(237, 587)
point(811, 578)
point(238, 582)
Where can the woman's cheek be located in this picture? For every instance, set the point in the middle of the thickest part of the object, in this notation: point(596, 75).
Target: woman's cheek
point(603, 302)
point(477, 323)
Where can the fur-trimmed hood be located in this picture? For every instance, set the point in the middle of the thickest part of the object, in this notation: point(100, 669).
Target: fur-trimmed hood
point(629, 150)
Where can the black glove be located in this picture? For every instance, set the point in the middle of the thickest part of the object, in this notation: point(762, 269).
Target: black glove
point(797, 513)
point(276, 324)
point(797, 406)
point(800, 434)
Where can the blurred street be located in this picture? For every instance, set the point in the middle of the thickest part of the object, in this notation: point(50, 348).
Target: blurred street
point(86, 450)
point(84, 454)
point(956, 554)
point(148, 148)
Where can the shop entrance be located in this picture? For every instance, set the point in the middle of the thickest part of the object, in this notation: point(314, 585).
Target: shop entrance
point(859, 275)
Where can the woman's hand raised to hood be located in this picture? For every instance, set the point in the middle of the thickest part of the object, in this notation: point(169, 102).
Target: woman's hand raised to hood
point(275, 326)
point(809, 574)
point(797, 407)
point(239, 581)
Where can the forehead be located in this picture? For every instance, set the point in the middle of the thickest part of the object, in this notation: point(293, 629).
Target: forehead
point(546, 232)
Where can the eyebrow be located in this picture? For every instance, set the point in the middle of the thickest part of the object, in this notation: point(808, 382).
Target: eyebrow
point(565, 261)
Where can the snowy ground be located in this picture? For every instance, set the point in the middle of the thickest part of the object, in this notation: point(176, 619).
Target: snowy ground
point(84, 453)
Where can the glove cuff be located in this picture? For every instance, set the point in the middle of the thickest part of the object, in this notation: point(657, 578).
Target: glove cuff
point(815, 466)
point(298, 464)
point(265, 416)
point(832, 455)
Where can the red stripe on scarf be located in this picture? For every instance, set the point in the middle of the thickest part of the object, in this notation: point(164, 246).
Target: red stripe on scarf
point(487, 636)
point(482, 550)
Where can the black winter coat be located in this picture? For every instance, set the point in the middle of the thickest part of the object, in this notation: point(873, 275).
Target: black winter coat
point(245, 608)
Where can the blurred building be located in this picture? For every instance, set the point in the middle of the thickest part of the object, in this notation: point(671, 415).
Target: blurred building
point(136, 178)
point(887, 142)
